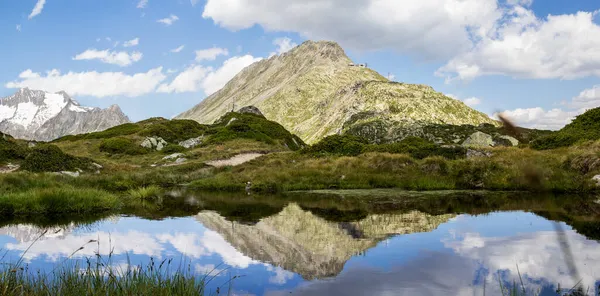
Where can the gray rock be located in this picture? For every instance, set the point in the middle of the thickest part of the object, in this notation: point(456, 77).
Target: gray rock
point(156, 143)
point(98, 166)
point(191, 143)
point(160, 146)
point(512, 140)
point(173, 156)
point(54, 116)
point(146, 144)
point(70, 174)
point(476, 153)
point(181, 160)
point(596, 178)
point(479, 139)
point(251, 110)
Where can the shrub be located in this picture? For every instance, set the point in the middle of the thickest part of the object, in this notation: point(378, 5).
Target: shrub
point(150, 192)
point(172, 130)
point(122, 146)
point(418, 148)
point(337, 144)
point(11, 149)
point(49, 158)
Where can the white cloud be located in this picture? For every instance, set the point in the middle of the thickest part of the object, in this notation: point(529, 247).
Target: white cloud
point(210, 54)
point(169, 20)
point(110, 57)
point(524, 46)
point(194, 2)
point(37, 9)
point(199, 78)
point(231, 67)
point(471, 102)
point(19, 28)
point(391, 77)
point(556, 118)
point(178, 49)
point(142, 4)
point(187, 81)
point(132, 42)
point(103, 84)
point(475, 37)
point(284, 45)
point(539, 118)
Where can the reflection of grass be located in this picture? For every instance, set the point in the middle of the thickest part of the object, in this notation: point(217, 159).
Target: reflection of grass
point(101, 277)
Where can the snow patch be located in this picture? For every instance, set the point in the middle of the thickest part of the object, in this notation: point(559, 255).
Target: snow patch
point(25, 114)
point(53, 104)
point(6, 112)
point(76, 108)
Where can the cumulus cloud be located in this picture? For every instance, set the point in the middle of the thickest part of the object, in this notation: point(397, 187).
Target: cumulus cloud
point(178, 49)
point(199, 78)
point(231, 67)
point(142, 4)
point(37, 9)
point(169, 20)
point(103, 84)
point(132, 42)
point(284, 45)
point(474, 37)
point(110, 57)
point(471, 102)
point(556, 118)
point(188, 80)
point(210, 54)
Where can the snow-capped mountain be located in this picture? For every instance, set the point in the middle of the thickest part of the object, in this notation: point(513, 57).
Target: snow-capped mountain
point(42, 116)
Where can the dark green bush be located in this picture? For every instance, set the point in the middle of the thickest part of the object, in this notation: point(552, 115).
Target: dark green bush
point(49, 158)
point(583, 128)
point(10, 149)
point(122, 146)
point(172, 131)
point(418, 148)
point(172, 148)
point(337, 144)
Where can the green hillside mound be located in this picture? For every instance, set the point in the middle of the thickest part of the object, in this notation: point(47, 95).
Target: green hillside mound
point(11, 149)
point(585, 127)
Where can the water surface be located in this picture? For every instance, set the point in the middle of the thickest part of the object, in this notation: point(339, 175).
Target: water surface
point(299, 249)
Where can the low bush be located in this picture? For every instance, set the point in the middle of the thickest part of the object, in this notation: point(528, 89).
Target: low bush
point(10, 149)
point(122, 146)
point(49, 158)
point(172, 131)
point(347, 145)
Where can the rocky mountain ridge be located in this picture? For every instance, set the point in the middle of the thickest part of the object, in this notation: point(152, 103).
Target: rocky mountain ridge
point(315, 90)
point(43, 116)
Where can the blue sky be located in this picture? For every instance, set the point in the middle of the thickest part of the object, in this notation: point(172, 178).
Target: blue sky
point(537, 60)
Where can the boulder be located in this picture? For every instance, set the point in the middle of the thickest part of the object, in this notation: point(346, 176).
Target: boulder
point(596, 179)
point(156, 143)
point(476, 153)
point(191, 143)
point(180, 160)
point(512, 140)
point(70, 174)
point(173, 156)
point(479, 139)
point(251, 110)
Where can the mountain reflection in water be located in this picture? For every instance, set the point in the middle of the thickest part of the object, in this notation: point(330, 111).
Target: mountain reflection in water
point(321, 248)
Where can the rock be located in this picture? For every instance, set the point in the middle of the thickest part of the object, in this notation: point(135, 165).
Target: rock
point(181, 160)
point(512, 140)
point(191, 143)
point(98, 166)
point(251, 110)
point(154, 143)
point(479, 139)
point(31, 144)
point(596, 178)
point(475, 153)
point(70, 174)
point(173, 156)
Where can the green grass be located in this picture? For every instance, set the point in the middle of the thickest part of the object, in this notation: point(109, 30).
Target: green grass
point(50, 158)
point(143, 193)
point(57, 201)
point(585, 127)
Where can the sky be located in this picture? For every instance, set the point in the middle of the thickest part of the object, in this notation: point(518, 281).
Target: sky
point(536, 60)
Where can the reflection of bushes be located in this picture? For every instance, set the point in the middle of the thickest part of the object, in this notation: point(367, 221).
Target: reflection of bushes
point(122, 146)
point(49, 158)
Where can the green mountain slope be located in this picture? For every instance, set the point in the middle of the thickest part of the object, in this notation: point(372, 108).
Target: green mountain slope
point(314, 91)
point(585, 127)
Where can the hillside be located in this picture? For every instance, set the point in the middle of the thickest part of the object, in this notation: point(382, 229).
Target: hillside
point(315, 90)
point(585, 127)
point(42, 116)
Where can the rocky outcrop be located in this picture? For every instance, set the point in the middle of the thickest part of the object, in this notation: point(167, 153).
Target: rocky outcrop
point(173, 156)
point(596, 179)
point(510, 139)
point(313, 247)
point(479, 140)
point(250, 110)
point(476, 153)
point(314, 92)
point(42, 116)
point(191, 143)
point(155, 143)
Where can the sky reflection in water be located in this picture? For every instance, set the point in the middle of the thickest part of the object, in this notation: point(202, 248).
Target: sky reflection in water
point(310, 256)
